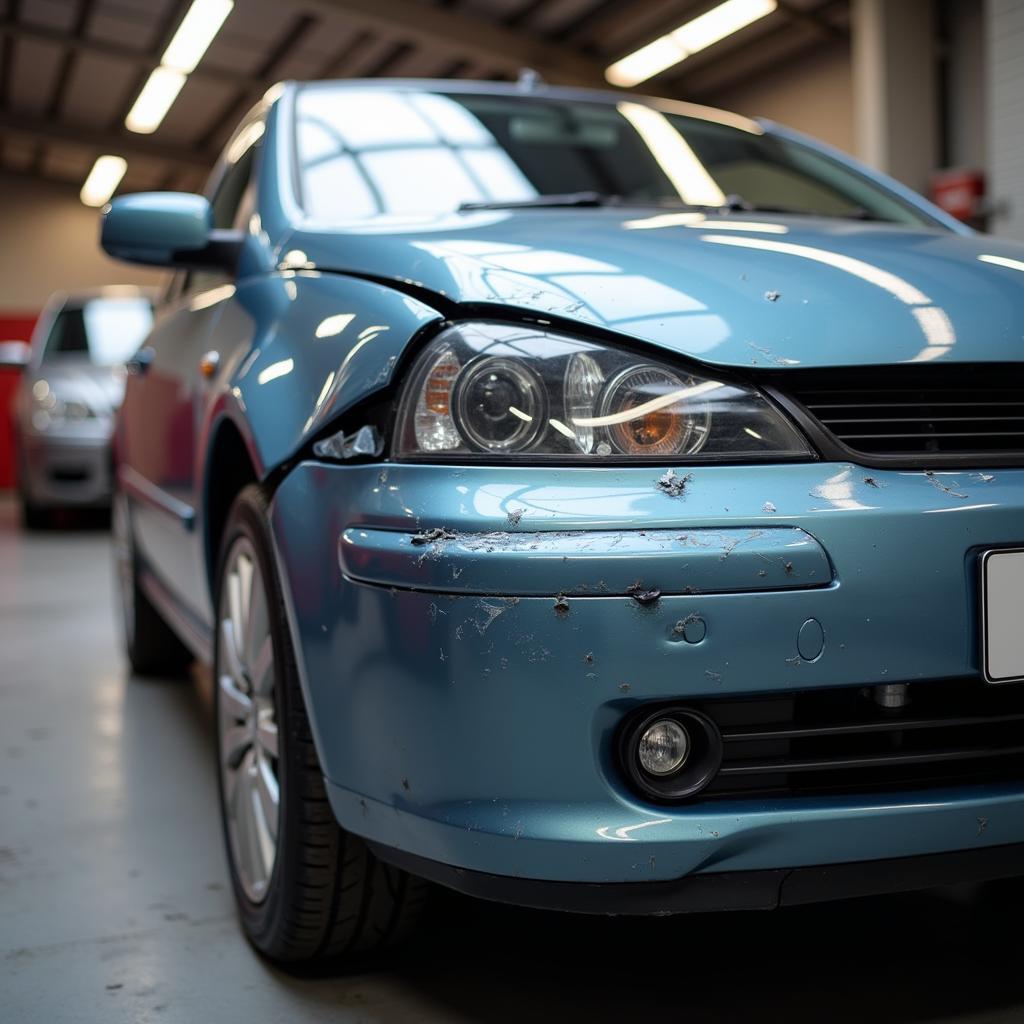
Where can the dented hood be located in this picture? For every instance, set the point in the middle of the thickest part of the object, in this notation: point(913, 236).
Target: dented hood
point(733, 290)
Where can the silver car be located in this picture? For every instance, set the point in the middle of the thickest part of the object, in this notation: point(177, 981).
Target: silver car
point(65, 404)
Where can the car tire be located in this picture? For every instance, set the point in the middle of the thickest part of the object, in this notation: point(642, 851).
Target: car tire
point(152, 647)
point(34, 517)
point(307, 891)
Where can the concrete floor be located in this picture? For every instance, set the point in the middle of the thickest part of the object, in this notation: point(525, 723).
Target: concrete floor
point(114, 904)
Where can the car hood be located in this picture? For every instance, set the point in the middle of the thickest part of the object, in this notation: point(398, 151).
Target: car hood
point(732, 290)
point(76, 378)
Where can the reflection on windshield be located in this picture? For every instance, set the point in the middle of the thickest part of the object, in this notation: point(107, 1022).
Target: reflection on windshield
point(374, 152)
point(690, 178)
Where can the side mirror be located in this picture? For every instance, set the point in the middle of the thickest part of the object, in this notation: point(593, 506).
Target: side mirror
point(14, 354)
point(167, 229)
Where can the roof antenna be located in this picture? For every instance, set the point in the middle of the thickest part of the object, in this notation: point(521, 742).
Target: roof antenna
point(529, 80)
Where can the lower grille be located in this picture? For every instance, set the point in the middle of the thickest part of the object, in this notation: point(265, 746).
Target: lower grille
point(914, 411)
point(827, 741)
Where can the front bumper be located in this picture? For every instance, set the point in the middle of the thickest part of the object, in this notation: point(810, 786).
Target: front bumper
point(461, 718)
point(713, 892)
point(67, 469)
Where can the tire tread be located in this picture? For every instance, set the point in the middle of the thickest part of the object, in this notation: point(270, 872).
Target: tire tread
point(335, 899)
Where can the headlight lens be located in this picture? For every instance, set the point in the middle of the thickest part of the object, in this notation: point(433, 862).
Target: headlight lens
point(508, 390)
point(500, 404)
point(651, 411)
point(51, 410)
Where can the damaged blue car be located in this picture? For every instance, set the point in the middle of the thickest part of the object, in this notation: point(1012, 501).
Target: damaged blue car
point(584, 501)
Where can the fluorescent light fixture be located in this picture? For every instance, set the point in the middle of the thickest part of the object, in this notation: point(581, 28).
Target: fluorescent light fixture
point(195, 33)
point(694, 36)
point(159, 92)
point(721, 21)
point(105, 176)
point(186, 49)
point(646, 62)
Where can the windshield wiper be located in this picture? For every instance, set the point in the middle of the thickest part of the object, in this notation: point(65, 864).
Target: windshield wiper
point(737, 204)
point(590, 198)
point(554, 199)
point(732, 204)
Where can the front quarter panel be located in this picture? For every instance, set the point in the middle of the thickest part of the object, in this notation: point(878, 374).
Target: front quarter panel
point(319, 344)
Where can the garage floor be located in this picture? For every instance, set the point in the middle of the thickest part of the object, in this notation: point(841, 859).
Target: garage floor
point(114, 903)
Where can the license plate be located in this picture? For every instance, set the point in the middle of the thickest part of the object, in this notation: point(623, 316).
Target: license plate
point(1002, 615)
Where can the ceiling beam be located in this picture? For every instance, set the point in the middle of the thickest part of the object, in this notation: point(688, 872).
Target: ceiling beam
point(68, 58)
point(7, 58)
point(263, 79)
point(143, 60)
point(775, 49)
point(98, 141)
point(737, 60)
point(816, 19)
point(459, 35)
point(628, 25)
point(618, 21)
point(463, 34)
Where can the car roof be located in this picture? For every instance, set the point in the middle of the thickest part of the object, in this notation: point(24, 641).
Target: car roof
point(539, 90)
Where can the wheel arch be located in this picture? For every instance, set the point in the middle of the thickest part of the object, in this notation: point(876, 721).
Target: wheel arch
point(230, 466)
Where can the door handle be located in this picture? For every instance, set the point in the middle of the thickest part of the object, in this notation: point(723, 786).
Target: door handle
point(139, 363)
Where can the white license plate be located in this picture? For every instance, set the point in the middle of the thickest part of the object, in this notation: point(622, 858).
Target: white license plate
point(1002, 615)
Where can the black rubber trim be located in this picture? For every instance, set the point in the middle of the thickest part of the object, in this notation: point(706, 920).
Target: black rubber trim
point(735, 890)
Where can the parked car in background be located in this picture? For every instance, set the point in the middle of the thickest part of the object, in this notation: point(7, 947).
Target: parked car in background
point(585, 501)
point(72, 386)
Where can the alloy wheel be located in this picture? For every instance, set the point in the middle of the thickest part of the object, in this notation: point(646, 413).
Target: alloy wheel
point(247, 721)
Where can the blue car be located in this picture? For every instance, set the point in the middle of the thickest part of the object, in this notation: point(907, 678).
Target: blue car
point(584, 501)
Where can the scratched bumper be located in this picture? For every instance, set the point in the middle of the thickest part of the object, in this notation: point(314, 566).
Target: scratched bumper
point(461, 717)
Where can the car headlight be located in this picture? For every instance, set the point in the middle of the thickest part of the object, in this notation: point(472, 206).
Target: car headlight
point(520, 391)
point(50, 410)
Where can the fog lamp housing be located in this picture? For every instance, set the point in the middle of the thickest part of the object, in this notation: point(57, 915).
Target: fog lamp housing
point(669, 754)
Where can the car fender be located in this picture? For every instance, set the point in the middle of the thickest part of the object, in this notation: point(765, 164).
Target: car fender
point(315, 344)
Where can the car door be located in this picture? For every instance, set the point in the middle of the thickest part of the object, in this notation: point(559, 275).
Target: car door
point(164, 405)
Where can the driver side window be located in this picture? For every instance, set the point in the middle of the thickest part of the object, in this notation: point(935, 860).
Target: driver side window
point(232, 204)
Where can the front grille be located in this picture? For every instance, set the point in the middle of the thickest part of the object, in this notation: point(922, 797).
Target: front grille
point(841, 740)
point(919, 410)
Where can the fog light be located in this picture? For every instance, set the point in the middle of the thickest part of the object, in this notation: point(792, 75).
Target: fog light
point(664, 747)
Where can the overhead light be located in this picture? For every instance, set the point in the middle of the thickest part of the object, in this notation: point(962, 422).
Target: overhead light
point(195, 33)
point(105, 176)
point(721, 21)
point(159, 92)
point(694, 36)
point(183, 53)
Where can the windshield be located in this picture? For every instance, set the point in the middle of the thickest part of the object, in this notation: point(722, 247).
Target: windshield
point(108, 331)
point(368, 152)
